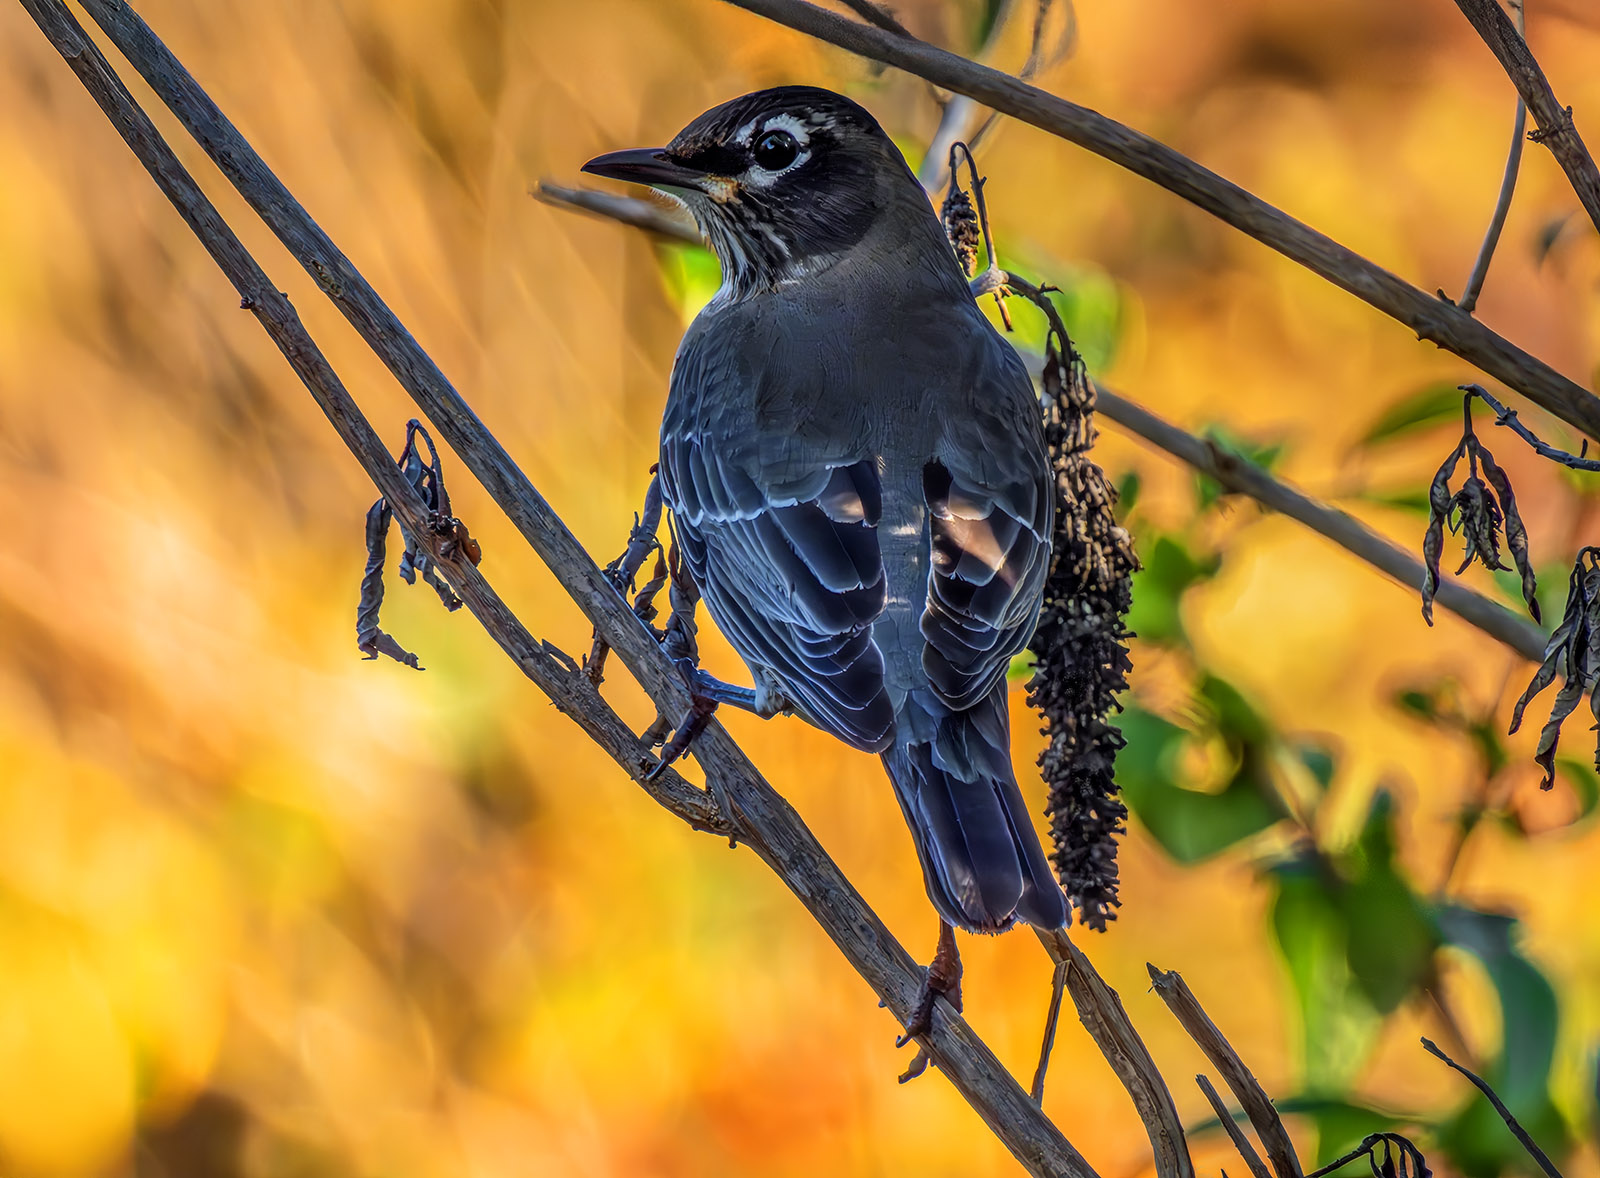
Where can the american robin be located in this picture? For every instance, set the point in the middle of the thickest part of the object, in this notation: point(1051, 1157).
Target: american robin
point(855, 462)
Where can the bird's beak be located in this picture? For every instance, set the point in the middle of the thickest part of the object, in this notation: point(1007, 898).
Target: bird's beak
point(645, 165)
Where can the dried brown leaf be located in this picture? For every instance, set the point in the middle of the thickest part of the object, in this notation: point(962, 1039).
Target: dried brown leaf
point(1516, 532)
point(1433, 539)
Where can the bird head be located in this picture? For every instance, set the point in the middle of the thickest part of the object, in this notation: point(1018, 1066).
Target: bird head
point(782, 182)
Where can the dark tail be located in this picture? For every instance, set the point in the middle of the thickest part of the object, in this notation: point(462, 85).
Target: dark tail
point(981, 859)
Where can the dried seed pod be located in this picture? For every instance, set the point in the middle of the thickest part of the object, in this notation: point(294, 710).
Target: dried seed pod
point(1080, 647)
point(961, 226)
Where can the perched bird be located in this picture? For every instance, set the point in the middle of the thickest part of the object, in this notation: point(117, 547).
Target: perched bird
point(856, 466)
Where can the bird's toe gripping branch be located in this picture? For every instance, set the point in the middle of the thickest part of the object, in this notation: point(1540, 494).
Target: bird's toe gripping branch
point(943, 977)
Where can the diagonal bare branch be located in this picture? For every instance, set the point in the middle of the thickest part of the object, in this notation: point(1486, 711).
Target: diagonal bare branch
point(1517, 1131)
point(1258, 1168)
point(1233, 472)
point(1433, 319)
point(1101, 1013)
point(756, 815)
point(1556, 128)
point(1247, 1090)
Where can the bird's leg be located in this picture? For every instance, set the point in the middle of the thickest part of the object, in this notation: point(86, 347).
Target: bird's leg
point(623, 571)
point(679, 642)
point(943, 977)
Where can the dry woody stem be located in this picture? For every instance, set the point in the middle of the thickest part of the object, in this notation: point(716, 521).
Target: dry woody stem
point(1557, 131)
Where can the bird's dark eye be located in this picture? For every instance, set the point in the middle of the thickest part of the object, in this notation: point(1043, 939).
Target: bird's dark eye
point(776, 150)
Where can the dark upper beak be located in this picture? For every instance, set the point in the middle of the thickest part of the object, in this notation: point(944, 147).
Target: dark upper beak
point(644, 165)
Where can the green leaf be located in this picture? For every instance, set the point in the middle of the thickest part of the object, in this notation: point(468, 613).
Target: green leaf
point(1128, 493)
point(1091, 304)
point(1020, 669)
point(1236, 719)
point(1391, 937)
point(691, 273)
point(1170, 569)
point(1411, 499)
point(1338, 1025)
point(1429, 406)
point(1475, 1140)
point(1485, 737)
point(1189, 825)
point(1527, 1002)
point(1341, 1125)
point(1321, 761)
point(1422, 704)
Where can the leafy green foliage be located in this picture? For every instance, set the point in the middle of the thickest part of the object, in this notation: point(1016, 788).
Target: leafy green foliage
point(1475, 1138)
point(1391, 937)
point(1194, 824)
point(1337, 1024)
point(692, 275)
point(1430, 406)
point(1360, 938)
point(1170, 570)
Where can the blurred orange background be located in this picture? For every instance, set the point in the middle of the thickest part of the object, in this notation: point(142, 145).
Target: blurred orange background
point(266, 908)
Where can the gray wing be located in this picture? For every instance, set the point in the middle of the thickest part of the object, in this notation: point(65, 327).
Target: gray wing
point(779, 529)
point(991, 506)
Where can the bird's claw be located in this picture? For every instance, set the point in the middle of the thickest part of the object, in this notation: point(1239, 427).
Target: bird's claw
point(693, 723)
point(942, 978)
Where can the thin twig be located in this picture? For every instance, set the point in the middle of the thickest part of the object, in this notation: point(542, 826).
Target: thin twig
point(1231, 1128)
point(1556, 128)
point(1517, 1131)
point(1247, 1091)
point(1502, 205)
point(1432, 318)
point(1509, 419)
point(992, 279)
point(641, 214)
point(758, 816)
point(1238, 475)
point(1102, 1015)
point(877, 14)
point(1058, 989)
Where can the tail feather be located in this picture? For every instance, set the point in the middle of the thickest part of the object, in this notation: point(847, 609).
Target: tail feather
point(981, 859)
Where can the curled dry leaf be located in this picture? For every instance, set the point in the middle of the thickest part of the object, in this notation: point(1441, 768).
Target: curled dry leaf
point(1439, 500)
point(1516, 532)
point(1479, 511)
point(1573, 653)
point(1477, 517)
point(427, 478)
point(370, 639)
